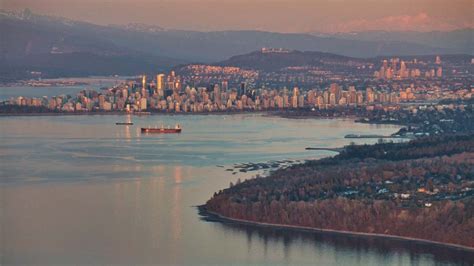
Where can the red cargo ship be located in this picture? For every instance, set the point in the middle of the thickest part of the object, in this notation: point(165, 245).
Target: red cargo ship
point(176, 129)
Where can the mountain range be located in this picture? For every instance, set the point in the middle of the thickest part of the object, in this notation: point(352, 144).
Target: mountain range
point(63, 47)
point(457, 41)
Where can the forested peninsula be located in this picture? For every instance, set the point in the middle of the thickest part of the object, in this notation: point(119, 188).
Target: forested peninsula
point(421, 189)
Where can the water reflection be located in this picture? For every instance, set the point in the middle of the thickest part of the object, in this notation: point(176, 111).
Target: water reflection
point(364, 246)
point(176, 215)
point(128, 136)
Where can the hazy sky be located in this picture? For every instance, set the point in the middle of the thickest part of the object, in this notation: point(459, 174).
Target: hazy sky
point(271, 15)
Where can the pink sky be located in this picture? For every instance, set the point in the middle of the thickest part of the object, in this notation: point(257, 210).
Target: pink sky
point(270, 15)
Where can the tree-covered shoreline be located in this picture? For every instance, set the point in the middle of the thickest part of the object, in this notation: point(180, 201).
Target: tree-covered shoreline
point(422, 189)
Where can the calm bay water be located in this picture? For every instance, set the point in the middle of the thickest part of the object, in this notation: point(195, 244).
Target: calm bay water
point(8, 92)
point(81, 190)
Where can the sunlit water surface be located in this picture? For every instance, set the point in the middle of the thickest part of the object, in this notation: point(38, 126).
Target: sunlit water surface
point(81, 190)
point(9, 92)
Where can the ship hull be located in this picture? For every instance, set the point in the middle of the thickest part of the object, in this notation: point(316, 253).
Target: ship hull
point(161, 130)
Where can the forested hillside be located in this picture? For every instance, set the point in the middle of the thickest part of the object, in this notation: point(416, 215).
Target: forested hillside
point(422, 189)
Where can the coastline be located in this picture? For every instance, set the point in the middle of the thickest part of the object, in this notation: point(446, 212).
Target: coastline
point(266, 113)
point(216, 217)
point(125, 113)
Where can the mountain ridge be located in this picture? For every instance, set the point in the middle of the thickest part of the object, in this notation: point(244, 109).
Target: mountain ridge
point(218, 45)
point(273, 61)
point(28, 37)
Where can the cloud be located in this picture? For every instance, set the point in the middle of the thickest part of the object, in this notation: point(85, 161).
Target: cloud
point(419, 22)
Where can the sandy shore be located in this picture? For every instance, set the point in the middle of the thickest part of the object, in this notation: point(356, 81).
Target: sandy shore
point(213, 216)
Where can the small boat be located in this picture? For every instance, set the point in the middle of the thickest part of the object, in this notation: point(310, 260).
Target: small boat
point(127, 122)
point(161, 130)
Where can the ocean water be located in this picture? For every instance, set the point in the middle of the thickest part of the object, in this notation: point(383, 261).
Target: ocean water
point(8, 92)
point(81, 190)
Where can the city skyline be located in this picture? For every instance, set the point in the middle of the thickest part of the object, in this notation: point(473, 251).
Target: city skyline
point(175, 93)
point(302, 16)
